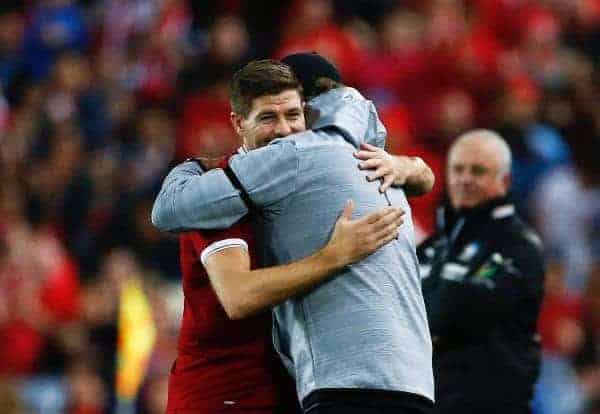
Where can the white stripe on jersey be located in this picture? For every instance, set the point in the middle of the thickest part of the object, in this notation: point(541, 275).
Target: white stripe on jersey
point(221, 245)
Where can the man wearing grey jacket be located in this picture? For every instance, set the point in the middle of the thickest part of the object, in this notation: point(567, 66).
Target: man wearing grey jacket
point(358, 342)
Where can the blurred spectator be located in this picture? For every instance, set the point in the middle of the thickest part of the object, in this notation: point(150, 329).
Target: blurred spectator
point(394, 69)
point(147, 158)
point(154, 249)
point(55, 26)
point(205, 130)
point(537, 148)
point(228, 48)
point(560, 327)
point(483, 277)
point(309, 25)
point(40, 294)
point(87, 393)
point(587, 359)
point(402, 140)
point(73, 97)
point(582, 23)
point(567, 205)
point(9, 399)
point(122, 20)
point(155, 396)
point(12, 27)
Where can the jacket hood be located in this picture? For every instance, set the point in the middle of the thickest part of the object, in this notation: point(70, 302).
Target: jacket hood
point(351, 113)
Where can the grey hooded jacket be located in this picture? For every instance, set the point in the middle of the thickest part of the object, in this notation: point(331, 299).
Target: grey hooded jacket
point(364, 328)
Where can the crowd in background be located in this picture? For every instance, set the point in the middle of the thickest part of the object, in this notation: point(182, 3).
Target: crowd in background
point(99, 98)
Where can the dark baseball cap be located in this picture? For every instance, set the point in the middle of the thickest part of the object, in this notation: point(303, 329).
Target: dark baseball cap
point(309, 67)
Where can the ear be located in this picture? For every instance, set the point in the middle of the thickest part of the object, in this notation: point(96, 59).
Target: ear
point(506, 181)
point(310, 116)
point(236, 123)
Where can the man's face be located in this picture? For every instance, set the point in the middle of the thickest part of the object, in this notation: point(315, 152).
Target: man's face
point(271, 117)
point(475, 174)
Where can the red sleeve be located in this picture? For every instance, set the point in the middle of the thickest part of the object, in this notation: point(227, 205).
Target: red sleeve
point(199, 296)
point(198, 242)
point(60, 294)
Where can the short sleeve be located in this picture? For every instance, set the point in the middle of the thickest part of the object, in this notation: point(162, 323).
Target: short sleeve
point(221, 245)
point(207, 242)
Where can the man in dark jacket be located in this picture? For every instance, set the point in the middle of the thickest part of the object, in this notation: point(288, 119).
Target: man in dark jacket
point(482, 275)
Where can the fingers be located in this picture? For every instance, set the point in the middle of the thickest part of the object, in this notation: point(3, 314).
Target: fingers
point(375, 217)
point(388, 180)
point(381, 165)
point(370, 164)
point(383, 171)
point(386, 234)
point(369, 147)
point(387, 238)
point(366, 155)
point(394, 218)
point(374, 222)
point(348, 208)
point(390, 229)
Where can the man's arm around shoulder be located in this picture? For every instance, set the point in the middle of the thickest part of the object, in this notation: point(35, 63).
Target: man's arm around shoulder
point(193, 199)
point(410, 173)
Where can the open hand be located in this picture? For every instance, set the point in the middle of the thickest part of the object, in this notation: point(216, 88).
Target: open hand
point(355, 239)
point(383, 166)
point(410, 173)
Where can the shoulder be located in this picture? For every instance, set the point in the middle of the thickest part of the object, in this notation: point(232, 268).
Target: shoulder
point(519, 242)
point(190, 165)
point(268, 174)
point(277, 151)
point(429, 242)
point(519, 235)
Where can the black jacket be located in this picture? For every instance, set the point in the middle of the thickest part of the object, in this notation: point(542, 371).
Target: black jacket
point(483, 275)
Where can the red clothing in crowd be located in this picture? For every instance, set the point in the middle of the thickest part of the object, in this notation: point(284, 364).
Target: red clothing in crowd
point(32, 310)
point(222, 364)
point(205, 129)
point(561, 311)
point(330, 41)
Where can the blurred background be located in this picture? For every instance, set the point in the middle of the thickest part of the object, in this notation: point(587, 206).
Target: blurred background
point(99, 98)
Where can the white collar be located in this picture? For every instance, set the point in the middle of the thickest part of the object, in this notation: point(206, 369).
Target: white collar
point(503, 211)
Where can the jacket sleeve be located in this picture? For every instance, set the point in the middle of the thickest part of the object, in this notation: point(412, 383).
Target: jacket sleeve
point(268, 175)
point(489, 294)
point(192, 199)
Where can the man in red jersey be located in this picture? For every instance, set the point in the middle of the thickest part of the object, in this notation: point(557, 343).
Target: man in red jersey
point(224, 364)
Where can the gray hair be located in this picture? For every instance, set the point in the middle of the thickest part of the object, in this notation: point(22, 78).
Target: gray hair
point(493, 138)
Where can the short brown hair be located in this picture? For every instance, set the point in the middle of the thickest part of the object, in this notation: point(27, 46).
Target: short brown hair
point(259, 78)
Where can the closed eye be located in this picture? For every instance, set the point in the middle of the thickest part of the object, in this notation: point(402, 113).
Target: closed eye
point(293, 115)
point(266, 117)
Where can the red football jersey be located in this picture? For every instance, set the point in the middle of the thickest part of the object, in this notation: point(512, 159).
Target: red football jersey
point(222, 365)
